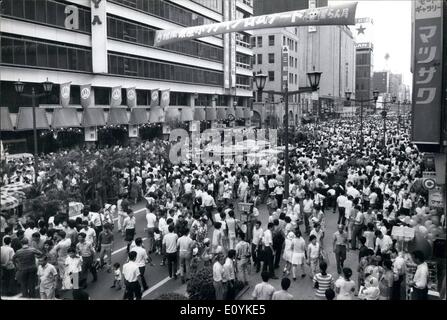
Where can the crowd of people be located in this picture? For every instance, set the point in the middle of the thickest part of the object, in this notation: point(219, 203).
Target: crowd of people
point(191, 220)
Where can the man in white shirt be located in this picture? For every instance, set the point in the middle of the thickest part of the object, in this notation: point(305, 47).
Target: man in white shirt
point(308, 205)
point(151, 220)
point(185, 246)
point(384, 243)
point(267, 241)
point(341, 205)
point(89, 232)
point(255, 244)
point(131, 274)
point(263, 290)
point(170, 245)
point(30, 231)
point(141, 260)
point(419, 283)
point(218, 276)
point(229, 275)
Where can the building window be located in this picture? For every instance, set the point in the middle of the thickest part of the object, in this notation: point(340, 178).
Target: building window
point(48, 12)
point(271, 40)
point(296, 63)
point(271, 58)
point(283, 40)
point(271, 75)
point(124, 30)
point(296, 46)
point(259, 58)
point(253, 42)
point(290, 61)
point(296, 79)
point(260, 42)
point(24, 51)
point(290, 78)
point(151, 69)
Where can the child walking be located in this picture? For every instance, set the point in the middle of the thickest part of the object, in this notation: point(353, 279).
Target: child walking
point(117, 276)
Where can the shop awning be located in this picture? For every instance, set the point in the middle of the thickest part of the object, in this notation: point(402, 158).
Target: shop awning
point(117, 116)
point(25, 119)
point(187, 114)
point(248, 113)
point(65, 118)
point(138, 116)
point(199, 114)
point(93, 117)
point(156, 115)
point(210, 114)
point(5, 120)
point(221, 114)
point(172, 114)
point(239, 113)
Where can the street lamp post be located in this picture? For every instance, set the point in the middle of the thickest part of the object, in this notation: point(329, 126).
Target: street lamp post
point(47, 87)
point(314, 80)
point(375, 97)
point(383, 114)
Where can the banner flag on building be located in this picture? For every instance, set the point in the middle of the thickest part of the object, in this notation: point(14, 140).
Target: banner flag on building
point(340, 14)
point(115, 100)
point(131, 95)
point(165, 98)
point(86, 95)
point(64, 95)
point(154, 98)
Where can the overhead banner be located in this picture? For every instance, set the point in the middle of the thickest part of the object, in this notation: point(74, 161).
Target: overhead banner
point(64, 96)
point(165, 98)
point(154, 98)
point(131, 97)
point(427, 75)
point(340, 14)
point(86, 95)
point(116, 97)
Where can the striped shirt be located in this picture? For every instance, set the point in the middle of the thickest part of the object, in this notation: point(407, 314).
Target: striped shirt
point(324, 283)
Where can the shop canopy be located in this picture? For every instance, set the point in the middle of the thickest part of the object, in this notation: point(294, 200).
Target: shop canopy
point(187, 114)
point(199, 114)
point(8, 202)
point(172, 114)
point(210, 114)
point(5, 120)
point(138, 116)
point(156, 115)
point(117, 116)
point(221, 114)
point(65, 118)
point(93, 117)
point(25, 119)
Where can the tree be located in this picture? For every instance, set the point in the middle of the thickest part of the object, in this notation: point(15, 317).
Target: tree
point(200, 286)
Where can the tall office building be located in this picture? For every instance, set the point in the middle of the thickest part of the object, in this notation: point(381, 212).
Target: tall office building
point(110, 44)
point(268, 6)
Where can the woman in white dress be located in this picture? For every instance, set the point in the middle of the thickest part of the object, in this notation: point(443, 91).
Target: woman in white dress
point(288, 252)
point(298, 254)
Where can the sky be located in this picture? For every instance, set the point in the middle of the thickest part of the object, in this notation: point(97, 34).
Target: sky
point(392, 33)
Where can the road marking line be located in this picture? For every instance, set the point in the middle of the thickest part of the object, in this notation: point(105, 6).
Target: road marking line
point(155, 287)
point(123, 248)
point(135, 212)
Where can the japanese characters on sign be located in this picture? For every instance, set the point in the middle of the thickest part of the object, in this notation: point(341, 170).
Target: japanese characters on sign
point(342, 14)
point(427, 75)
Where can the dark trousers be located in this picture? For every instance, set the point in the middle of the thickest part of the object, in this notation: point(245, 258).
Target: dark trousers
point(143, 280)
point(28, 280)
point(397, 289)
point(419, 294)
point(172, 264)
point(132, 289)
point(268, 261)
point(209, 213)
point(254, 255)
point(341, 216)
point(230, 292)
point(306, 216)
point(278, 250)
point(87, 265)
point(279, 198)
point(356, 233)
point(7, 281)
point(340, 257)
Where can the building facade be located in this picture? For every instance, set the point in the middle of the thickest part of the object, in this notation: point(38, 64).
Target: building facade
point(267, 45)
point(110, 43)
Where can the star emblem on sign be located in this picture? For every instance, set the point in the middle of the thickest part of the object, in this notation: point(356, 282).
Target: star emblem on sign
point(361, 30)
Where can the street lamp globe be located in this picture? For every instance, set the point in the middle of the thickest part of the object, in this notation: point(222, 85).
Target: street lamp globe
point(19, 86)
point(260, 79)
point(376, 94)
point(314, 79)
point(348, 95)
point(47, 86)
